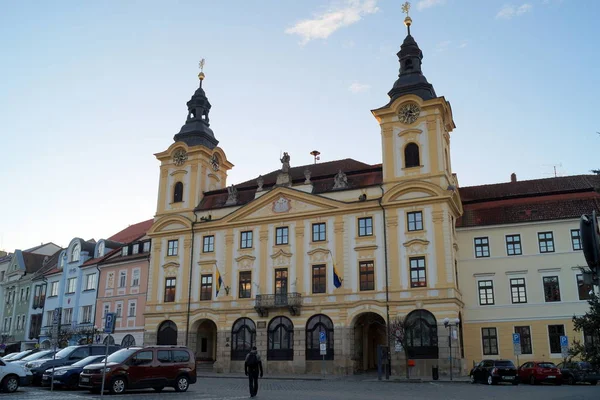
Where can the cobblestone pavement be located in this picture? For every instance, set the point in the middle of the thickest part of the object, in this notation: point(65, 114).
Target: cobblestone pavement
point(233, 389)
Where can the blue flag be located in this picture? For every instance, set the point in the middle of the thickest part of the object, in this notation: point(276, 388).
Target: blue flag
point(219, 282)
point(337, 281)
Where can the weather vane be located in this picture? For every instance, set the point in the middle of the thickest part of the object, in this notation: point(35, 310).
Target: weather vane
point(201, 74)
point(407, 20)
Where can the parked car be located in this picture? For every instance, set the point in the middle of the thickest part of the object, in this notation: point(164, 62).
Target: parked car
point(140, 368)
point(18, 356)
point(68, 376)
point(494, 371)
point(9, 356)
point(578, 371)
point(67, 356)
point(35, 356)
point(535, 372)
point(12, 376)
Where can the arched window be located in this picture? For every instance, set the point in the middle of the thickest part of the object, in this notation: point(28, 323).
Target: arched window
point(408, 65)
point(281, 339)
point(411, 155)
point(315, 325)
point(243, 337)
point(167, 334)
point(110, 340)
point(128, 341)
point(178, 193)
point(421, 335)
point(75, 253)
point(101, 246)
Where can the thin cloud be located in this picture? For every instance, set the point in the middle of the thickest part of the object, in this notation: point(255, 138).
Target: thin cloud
point(443, 46)
point(337, 17)
point(359, 87)
point(463, 44)
point(510, 11)
point(423, 4)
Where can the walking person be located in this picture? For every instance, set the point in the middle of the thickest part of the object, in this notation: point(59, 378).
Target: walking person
point(252, 367)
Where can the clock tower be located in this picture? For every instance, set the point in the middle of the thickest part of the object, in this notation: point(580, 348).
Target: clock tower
point(193, 164)
point(415, 124)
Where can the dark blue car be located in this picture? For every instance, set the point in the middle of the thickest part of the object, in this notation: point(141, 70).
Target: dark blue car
point(68, 376)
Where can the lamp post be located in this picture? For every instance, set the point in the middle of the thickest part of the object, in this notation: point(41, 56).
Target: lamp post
point(449, 324)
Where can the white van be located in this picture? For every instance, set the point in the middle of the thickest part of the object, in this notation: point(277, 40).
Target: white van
point(12, 376)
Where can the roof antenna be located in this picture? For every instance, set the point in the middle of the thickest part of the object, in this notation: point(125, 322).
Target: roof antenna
point(315, 154)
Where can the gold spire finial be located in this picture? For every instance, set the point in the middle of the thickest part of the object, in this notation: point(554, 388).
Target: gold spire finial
point(407, 20)
point(201, 65)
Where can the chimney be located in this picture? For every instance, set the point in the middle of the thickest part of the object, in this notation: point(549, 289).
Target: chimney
point(513, 177)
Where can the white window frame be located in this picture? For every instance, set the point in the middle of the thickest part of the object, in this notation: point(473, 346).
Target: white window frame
point(54, 285)
point(518, 276)
point(67, 312)
point(101, 247)
point(122, 274)
point(146, 245)
point(68, 288)
point(105, 309)
point(139, 277)
point(76, 253)
point(135, 249)
point(83, 319)
point(119, 305)
point(485, 278)
point(129, 303)
point(549, 273)
point(87, 281)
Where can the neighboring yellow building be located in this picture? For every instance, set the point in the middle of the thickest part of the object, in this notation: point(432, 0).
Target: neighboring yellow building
point(519, 250)
point(284, 242)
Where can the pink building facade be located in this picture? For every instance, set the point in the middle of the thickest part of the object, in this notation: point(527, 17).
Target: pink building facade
point(122, 289)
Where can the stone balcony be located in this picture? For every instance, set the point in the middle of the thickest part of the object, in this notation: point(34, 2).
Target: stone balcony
point(265, 302)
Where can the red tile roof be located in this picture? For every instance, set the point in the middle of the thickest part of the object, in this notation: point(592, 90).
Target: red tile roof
point(98, 259)
point(322, 177)
point(132, 232)
point(529, 201)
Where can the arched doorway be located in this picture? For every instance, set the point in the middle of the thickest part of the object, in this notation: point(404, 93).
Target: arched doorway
point(369, 332)
point(167, 334)
point(45, 345)
point(421, 335)
point(206, 341)
point(110, 340)
point(243, 337)
point(128, 341)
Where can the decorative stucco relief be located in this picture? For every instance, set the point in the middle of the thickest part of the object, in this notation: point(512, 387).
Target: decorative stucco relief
point(416, 246)
point(171, 269)
point(245, 261)
point(318, 255)
point(281, 258)
point(207, 266)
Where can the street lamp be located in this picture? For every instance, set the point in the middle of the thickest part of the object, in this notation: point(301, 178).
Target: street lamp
point(449, 324)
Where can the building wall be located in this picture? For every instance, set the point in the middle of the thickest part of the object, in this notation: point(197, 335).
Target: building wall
point(532, 266)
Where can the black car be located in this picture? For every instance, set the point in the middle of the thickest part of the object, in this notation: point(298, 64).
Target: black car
point(68, 376)
point(494, 371)
point(67, 356)
point(578, 371)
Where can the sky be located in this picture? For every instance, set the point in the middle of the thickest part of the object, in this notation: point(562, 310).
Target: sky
point(91, 90)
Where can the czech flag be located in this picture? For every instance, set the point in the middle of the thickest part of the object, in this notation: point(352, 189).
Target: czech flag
point(337, 281)
point(219, 282)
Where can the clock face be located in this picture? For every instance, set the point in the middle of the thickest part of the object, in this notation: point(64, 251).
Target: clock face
point(180, 157)
point(214, 162)
point(409, 113)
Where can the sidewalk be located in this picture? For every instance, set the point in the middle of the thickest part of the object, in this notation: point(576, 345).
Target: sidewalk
point(355, 378)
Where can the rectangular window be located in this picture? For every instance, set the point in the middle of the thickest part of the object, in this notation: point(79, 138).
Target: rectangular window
point(135, 278)
point(122, 279)
point(86, 314)
point(482, 247)
point(546, 242)
point(576, 239)
point(146, 248)
point(125, 251)
point(26, 297)
point(319, 280)
point(513, 245)
point(106, 310)
point(54, 289)
point(246, 240)
point(245, 291)
point(551, 289)
point(67, 315)
point(282, 235)
point(525, 333)
point(172, 247)
point(518, 291)
point(365, 226)
point(554, 334)
point(281, 281)
point(583, 289)
point(318, 232)
point(417, 272)
point(208, 244)
point(486, 293)
point(71, 285)
point(119, 310)
point(590, 338)
point(490, 341)
point(49, 316)
point(36, 296)
point(22, 296)
point(367, 275)
point(206, 287)
point(170, 290)
point(415, 221)
point(132, 306)
point(90, 282)
point(135, 249)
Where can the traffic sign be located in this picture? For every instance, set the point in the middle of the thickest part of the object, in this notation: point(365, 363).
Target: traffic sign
point(322, 337)
point(109, 323)
point(323, 349)
point(564, 341)
point(517, 338)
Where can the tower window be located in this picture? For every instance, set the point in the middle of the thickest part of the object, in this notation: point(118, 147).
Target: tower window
point(408, 65)
point(411, 155)
point(178, 193)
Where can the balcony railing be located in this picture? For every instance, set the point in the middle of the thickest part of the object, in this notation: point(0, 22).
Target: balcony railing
point(264, 302)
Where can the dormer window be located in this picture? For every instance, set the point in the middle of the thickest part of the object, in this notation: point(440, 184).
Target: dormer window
point(75, 253)
point(101, 249)
point(125, 251)
point(178, 193)
point(146, 247)
point(411, 155)
point(135, 249)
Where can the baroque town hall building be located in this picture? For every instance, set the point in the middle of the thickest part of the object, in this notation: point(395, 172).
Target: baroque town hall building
point(339, 247)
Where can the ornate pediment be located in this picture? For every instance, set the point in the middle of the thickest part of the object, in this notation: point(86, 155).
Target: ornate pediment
point(245, 261)
point(171, 268)
point(416, 246)
point(281, 257)
point(319, 254)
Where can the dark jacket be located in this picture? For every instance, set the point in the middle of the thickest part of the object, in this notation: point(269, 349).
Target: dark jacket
point(253, 369)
